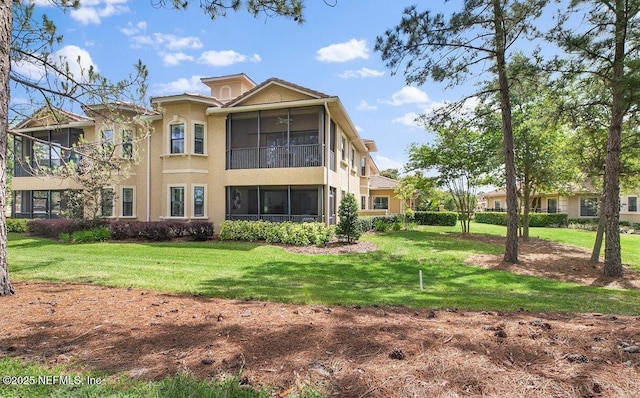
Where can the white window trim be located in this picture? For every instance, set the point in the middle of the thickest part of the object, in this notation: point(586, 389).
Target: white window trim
point(177, 120)
point(193, 204)
point(373, 202)
point(193, 138)
point(185, 202)
point(121, 201)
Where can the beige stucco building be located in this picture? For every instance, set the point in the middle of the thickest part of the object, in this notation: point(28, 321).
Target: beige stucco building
point(581, 203)
point(274, 151)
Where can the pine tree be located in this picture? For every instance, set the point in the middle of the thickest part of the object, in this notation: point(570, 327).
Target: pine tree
point(349, 227)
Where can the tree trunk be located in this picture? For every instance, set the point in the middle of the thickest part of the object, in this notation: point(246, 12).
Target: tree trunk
point(525, 212)
point(6, 24)
point(597, 245)
point(511, 249)
point(612, 255)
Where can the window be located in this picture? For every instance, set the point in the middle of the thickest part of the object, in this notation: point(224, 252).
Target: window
point(552, 205)
point(127, 144)
point(632, 203)
point(353, 158)
point(381, 202)
point(198, 138)
point(496, 205)
point(343, 149)
point(106, 202)
point(108, 138)
point(363, 166)
point(363, 202)
point(127, 202)
point(176, 201)
point(588, 207)
point(198, 201)
point(177, 138)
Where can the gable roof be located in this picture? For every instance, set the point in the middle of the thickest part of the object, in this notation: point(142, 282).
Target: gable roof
point(274, 81)
point(48, 116)
point(382, 182)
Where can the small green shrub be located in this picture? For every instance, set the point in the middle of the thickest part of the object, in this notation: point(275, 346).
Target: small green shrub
point(548, 219)
point(17, 225)
point(381, 226)
point(98, 234)
point(489, 217)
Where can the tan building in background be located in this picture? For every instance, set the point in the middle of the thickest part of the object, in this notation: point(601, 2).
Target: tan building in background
point(274, 151)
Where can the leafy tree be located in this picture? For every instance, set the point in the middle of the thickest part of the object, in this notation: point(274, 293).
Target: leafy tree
point(455, 48)
point(391, 173)
point(349, 227)
point(463, 158)
point(27, 41)
point(604, 46)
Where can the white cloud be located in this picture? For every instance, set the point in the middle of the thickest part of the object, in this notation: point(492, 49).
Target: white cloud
point(93, 11)
point(408, 119)
point(226, 58)
point(365, 106)
point(182, 85)
point(79, 60)
point(384, 162)
point(132, 29)
point(362, 72)
point(343, 52)
point(173, 42)
point(173, 59)
point(408, 95)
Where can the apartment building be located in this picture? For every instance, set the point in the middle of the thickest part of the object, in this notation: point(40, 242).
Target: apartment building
point(275, 151)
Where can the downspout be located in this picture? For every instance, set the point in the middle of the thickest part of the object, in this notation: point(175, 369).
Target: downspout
point(148, 178)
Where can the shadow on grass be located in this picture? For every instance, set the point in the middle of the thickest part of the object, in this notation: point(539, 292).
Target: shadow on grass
point(15, 240)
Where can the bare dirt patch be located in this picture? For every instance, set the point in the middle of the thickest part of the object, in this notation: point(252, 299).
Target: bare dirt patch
point(343, 351)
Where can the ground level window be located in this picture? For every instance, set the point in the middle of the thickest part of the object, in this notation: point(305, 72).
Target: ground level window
point(106, 202)
point(632, 203)
point(198, 201)
point(177, 201)
point(127, 202)
point(381, 202)
point(588, 207)
point(363, 203)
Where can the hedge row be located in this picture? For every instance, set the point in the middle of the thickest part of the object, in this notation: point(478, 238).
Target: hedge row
point(121, 230)
point(290, 233)
point(440, 218)
point(535, 219)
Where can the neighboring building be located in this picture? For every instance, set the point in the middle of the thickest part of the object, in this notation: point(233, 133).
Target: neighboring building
point(381, 200)
point(581, 203)
point(275, 151)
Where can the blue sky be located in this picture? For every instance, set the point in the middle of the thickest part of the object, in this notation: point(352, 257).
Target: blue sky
point(332, 52)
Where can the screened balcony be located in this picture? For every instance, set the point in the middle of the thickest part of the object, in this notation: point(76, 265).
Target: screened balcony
point(275, 203)
point(276, 138)
point(37, 154)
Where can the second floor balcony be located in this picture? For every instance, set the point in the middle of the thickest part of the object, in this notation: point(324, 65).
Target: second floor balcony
point(276, 156)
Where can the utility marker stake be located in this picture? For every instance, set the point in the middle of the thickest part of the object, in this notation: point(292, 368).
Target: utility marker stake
point(420, 273)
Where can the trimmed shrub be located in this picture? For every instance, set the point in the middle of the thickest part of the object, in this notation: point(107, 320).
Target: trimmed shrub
point(535, 219)
point(548, 219)
point(289, 233)
point(160, 230)
point(17, 225)
point(440, 218)
point(489, 217)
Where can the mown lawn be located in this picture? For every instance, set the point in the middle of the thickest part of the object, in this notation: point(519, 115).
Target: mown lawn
point(388, 276)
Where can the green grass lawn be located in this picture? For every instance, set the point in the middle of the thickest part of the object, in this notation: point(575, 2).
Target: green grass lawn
point(388, 276)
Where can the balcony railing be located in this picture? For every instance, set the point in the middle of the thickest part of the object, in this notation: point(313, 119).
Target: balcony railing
point(275, 217)
point(278, 156)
